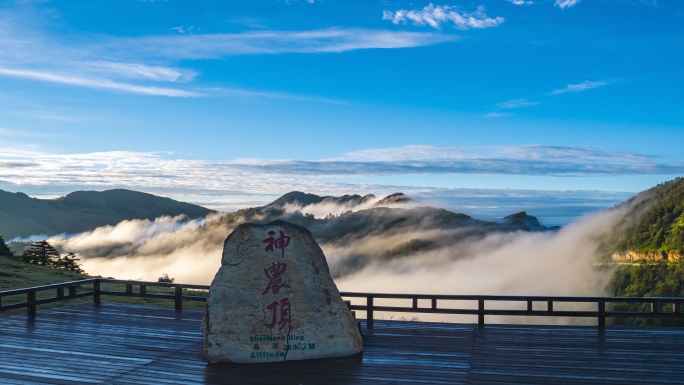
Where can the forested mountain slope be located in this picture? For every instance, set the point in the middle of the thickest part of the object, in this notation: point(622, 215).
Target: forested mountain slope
point(23, 216)
point(653, 228)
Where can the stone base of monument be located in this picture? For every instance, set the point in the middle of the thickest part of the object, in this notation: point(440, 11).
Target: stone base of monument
point(273, 299)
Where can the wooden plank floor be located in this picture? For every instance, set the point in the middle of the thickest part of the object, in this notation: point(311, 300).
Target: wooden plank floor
point(130, 344)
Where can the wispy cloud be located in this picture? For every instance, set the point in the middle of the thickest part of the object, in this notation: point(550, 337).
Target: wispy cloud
point(274, 95)
point(181, 29)
point(215, 46)
point(163, 172)
point(517, 103)
point(19, 133)
point(497, 114)
point(142, 71)
point(566, 3)
point(521, 2)
point(135, 64)
point(435, 16)
point(585, 85)
point(95, 83)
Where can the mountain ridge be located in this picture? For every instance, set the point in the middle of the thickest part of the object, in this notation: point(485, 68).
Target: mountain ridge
point(23, 216)
point(652, 226)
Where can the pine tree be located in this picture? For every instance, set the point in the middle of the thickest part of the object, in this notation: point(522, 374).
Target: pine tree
point(165, 278)
point(42, 253)
point(4, 250)
point(69, 262)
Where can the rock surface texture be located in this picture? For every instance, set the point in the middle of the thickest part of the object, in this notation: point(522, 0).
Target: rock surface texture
point(652, 256)
point(273, 300)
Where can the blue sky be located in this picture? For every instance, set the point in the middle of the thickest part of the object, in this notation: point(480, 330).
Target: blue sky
point(229, 103)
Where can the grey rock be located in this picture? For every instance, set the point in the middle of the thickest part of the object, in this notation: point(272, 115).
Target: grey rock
point(273, 300)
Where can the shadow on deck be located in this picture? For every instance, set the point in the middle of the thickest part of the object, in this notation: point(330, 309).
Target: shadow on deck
point(112, 343)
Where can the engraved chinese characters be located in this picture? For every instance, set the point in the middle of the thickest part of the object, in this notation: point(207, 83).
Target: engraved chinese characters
point(273, 299)
point(274, 273)
point(280, 243)
point(275, 283)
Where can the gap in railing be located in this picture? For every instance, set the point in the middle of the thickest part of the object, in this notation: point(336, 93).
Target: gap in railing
point(456, 304)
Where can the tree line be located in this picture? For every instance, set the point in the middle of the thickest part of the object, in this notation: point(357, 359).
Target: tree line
point(43, 254)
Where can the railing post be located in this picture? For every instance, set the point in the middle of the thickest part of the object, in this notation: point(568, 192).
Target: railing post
point(415, 302)
point(434, 303)
point(179, 298)
point(369, 312)
point(549, 307)
point(31, 303)
point(96, 291)
point(529, 306)
point(602, 315)
point(129, 288)
point(72, 291)
point(675, 307)
point(480, 313)
point(143, 290)
point(655, 307)
point(60, 292)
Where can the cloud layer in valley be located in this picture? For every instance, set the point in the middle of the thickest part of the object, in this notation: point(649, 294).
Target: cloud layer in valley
point(512, 263)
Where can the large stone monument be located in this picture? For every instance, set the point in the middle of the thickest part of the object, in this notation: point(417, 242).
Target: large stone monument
point(273, 300)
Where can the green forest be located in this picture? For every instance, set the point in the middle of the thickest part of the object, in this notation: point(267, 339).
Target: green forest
point(656, 223)
point(647, 280)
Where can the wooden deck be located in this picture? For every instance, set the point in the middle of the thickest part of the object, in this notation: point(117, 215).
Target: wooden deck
point(122, 344)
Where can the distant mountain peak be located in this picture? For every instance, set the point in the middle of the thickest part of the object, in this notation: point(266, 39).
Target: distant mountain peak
point(520, 215)
point(524, 221)
point(396, 198)
point(305, 199)
point(22, 216)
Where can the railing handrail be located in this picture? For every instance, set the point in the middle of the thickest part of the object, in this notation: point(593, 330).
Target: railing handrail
point(511, 298)
point(453, 297)
point(25, 290)
point(481, 311)
point(151, 283)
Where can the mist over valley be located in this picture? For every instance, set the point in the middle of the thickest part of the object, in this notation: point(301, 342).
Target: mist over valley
point(389, 243)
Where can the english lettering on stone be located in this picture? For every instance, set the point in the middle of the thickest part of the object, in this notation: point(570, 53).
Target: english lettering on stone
point(273, 300)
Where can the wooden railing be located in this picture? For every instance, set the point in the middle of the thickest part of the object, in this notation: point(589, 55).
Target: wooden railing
point(481, 310)
point(32, 301)
point(31, 294)
point(479, 302)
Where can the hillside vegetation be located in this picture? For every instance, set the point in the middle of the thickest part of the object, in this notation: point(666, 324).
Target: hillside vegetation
point(656, 222)
point(16, 273)
point(23, 216)
point(648, 280)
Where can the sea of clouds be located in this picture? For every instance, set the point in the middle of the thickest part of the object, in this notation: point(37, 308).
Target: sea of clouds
point(513, 263)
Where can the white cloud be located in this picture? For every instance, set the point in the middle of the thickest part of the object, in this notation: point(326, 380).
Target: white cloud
point(585, 85)
point(165, 174)
point(215, 46)
point(274, 95)
point(19, 133)
point(142, 71)
point(132, 62)
point(497, 114)
point(435, 16)
point(181, 29)
point(94, 83)
point(566, 3)
point(520, 2)
point(517, 103)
